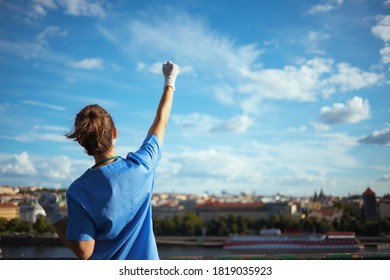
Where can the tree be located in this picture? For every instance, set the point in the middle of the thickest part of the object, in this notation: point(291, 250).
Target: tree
point(15, 225)
point(3, 224)
point(192, 224)
point(324, 226)
point(384, 226)
point(232, 223)
point(169, 227)
point(223, 228)
point(371, 227)
point(41, 225)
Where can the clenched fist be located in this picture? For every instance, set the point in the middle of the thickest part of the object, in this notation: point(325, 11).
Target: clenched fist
point(48, 201)
point(170, 71)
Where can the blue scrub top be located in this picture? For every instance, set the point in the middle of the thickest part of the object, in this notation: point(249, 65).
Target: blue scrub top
point(111, 205)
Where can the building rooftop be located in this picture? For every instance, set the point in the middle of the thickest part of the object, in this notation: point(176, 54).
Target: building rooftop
point(368, 191)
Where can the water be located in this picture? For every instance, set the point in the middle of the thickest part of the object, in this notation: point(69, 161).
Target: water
point(165, 251)
point(39, 252)
point(61, 252)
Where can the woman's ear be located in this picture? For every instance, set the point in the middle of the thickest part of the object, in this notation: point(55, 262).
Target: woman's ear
point(115, 133)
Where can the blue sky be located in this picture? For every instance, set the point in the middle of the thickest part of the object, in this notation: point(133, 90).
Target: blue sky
point(273, 97)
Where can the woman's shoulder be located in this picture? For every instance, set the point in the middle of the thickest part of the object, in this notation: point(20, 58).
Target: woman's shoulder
point(78, 183)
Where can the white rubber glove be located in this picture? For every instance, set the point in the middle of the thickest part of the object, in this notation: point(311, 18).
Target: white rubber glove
point(48, 201)
point(170, 71)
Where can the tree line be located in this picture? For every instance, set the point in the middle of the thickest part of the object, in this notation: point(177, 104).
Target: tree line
point(191, 224)
point(40, 226)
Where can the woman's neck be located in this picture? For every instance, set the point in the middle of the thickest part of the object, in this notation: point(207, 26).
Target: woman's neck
point(101, 157)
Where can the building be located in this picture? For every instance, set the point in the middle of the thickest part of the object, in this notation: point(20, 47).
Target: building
point(384, 207)
point(9, 211)
point(8, 190)
point(369, 205)
point(328, 214)
point(278, 208)
point(29, 211)
point(168, 210)
point(214, 209)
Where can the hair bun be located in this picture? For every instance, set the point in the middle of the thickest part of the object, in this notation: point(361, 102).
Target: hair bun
point(92, 115)
point(93, 129)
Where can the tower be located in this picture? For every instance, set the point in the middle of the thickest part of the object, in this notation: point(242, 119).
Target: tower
point(369, 205)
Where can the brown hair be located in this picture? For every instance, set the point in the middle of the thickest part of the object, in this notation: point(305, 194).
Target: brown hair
point(93, 129)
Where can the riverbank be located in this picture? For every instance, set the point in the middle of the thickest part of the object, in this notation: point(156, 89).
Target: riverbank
point(209, 241)
point(29, 240)
point(380, 243)
point(183, 248)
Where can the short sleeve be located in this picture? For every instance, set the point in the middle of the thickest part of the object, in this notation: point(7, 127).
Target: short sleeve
point(149, 152)
point(80, 226)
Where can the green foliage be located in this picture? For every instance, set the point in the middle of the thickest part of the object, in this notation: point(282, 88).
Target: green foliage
point(15, 225)
point(22, 227)
point(3, 224)
point(190, 224)
point(41, 225)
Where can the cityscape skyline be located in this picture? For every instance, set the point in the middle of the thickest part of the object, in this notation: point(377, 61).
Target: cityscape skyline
point(273, 97)
point(4, 189)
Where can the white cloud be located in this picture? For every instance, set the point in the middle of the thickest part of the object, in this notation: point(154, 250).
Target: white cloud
point(313, 40)
point(300, 83)
point(19, 164)
point(238, 124)
point(233, 71)
point(385, 55)
point(82, 8)
point(70, 7)
point(140, 66)
point(306, 81)
point(281, 165)
point(382, 29)
point(386, 177)
point(349, 78)
point(48, 32)
point(88, 64)
point(155, 68)
point(378, 137)
point(193, 44)
point(32, 137)
point(50, 128)
point(40, 7)
point(51, 171)
point(56, 167)
point(330, 152)
point(197, 122)
point(355, 110)
point(46, 3)
point(329, 5)
point(224, 94)
point(320, 126)
point(38, 47)
point(216, 166)
point(301, 128)
point(43, 105)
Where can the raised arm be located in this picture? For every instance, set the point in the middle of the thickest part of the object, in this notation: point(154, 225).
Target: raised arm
point(158, 127)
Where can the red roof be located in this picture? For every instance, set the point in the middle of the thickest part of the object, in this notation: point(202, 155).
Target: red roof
point(217, 204)
point(368, 191)
point(7, 205)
